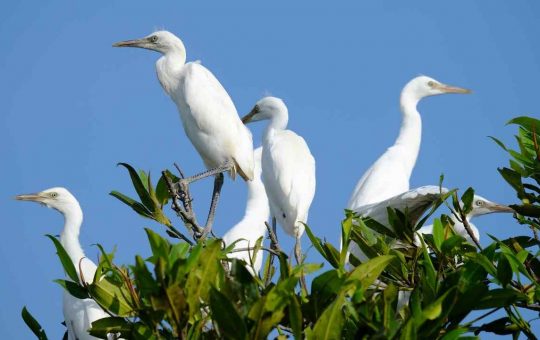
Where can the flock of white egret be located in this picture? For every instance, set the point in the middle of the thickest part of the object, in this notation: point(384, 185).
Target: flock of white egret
point(280, 175)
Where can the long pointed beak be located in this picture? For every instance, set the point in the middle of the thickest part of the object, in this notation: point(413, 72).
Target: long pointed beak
point(30, 197)
point(502, 208)
point(247, 118)
point(128, 43)
point(453, 89)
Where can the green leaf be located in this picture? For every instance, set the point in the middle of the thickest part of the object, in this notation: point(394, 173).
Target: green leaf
point(203, 275)
point(32, 323)
point(295, 317)
point(438, 233)
point(467, 199)
point(230, 324)
point(504, 270)
point(330, 324)
point(368, 272)
point(68, 265)
point(140, 187)
point(136, 206)
point(160, 246)
point(501, 144)
point(102, 327)
point(162, 192)
point(73, 288)
point(115, 299)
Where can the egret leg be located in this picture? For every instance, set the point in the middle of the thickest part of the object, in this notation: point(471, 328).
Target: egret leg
point(274, 223)
point(218, 184)
point(298, 255)
point(212, 172)
point(298, 250)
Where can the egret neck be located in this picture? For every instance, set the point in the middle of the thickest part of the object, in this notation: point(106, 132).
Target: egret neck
point(170, 65)
point(278, 122)
point(410, 133)
point(69, 238)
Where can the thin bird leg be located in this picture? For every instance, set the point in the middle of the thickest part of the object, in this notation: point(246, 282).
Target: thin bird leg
point(298, 255)
point(274, 246)
point(220, 169)
point(218, 183)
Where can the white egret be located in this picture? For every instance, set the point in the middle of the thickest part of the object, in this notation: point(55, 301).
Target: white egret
point(480, 206)
point(252, 226)
point(288, 169)
point(207, 112)
point(78, 313)
point(390, 174)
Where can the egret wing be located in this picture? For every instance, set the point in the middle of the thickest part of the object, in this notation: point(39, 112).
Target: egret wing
point(211, 121)
point(417, 201)
point(289, 178)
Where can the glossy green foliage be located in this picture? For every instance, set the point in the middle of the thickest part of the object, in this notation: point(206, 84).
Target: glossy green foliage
point(407, 289)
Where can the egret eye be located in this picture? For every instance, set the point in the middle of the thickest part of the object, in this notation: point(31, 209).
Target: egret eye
point(53, 194)
point(431, 83)
point(257, 108)
point(479, 203)
point(153, 38)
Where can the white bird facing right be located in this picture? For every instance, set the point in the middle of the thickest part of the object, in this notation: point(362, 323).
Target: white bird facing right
point(208, 114)
point(78, 313)
point(288, 169)
point(390, 174)
point(480, 206)
point(252, 226)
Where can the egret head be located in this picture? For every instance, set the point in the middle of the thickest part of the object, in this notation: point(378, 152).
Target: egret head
point(424, 86)
point(159, 41)
point(57, 198)
point(482, 206)
point(266, 108)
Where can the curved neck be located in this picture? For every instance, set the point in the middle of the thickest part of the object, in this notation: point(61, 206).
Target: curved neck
point(410, 133)
point(278, 121)
point(69, 238)
point(169, 66)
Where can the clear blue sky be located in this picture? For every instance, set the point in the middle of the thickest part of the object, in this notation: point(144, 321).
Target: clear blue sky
point(72, 107)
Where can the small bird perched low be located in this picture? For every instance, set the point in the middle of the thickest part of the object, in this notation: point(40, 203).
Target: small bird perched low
point(252, 226)
point(78, 313)
point(288, 169)
point(390, 174)
point(480, 206)
point(208, 114)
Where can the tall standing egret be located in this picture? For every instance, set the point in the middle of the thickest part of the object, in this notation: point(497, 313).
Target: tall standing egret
point(78, 313)
point(390, 174)
point(288, 169)
point(252, 226)
point(207, 112)
point(480, 206)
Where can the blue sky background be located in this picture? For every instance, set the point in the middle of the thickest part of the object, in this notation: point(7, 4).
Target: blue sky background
point(72, 107)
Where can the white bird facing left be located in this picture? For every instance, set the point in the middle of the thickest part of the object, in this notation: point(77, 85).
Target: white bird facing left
point(288, 168)
point(480, 206)
point(78, 314)
point(208, 114)
point(390, 174)
point(252, 226)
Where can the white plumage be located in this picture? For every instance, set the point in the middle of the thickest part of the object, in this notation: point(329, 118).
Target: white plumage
point(208, 114)
point(390, 174)
point(79, 314)
point(252, 226)
point(288, 168)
